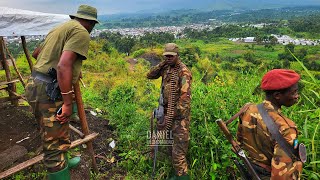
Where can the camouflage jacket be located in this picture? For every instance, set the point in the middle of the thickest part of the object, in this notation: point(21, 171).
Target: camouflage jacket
point(183, 85)
point(256, 140)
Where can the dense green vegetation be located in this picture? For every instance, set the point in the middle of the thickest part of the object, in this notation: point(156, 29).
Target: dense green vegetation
point(223, 81)
point(309, 24)
point(226, 75)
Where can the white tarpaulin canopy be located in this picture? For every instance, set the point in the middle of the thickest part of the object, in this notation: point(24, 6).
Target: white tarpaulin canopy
point(17, 22)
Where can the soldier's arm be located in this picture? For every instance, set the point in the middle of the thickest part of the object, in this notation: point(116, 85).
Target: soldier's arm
point(64, 75)
point(37, 51)
point(156, 71)
point(282, 165)
point(184, 102)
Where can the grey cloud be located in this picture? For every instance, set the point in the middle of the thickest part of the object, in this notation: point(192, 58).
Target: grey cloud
point(125, 6)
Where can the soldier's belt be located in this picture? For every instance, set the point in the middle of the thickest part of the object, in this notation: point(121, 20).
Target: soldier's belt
point(42, 77)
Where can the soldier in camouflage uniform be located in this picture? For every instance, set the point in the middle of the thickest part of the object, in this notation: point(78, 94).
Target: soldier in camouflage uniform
point(268, 158)
point(64, 49)
point(181, 119)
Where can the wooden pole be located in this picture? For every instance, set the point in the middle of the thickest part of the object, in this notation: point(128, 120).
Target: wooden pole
point(84, 123)
point(38, 158)
point(5, 99)
point(26, 52)
point(76, 131)
point(5, 66)
point(15, 66)
point(18, 95)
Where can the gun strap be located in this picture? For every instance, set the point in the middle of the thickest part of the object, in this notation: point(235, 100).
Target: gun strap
point(161, 90)
point(275, 134)
point(243, 109)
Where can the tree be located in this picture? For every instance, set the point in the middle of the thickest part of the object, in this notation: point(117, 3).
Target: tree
point(301, 54)
point(190, 55)
point(287, 55)
point(289, 47)
point(152, 39)
point(125, 45)
point(273, 40)
point(107, 47)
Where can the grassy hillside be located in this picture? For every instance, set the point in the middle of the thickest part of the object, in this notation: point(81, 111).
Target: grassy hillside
point(221, 85)
point(225, 77)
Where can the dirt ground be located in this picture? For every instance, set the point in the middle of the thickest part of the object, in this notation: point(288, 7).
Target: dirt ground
point(18, 127)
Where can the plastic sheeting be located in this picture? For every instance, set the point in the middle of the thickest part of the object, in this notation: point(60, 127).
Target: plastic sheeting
point(17, 22)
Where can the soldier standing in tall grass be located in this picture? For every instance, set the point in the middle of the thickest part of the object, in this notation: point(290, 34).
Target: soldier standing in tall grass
point(271, 157)
point(59, 61)
point(176, 88)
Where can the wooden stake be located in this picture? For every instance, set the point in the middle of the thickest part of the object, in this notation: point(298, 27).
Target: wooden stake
point(26, 52)
point(9, 82)
point(84, 123)
point(18, 95)
point(38, 158)
point(15, 66)
point(76, 131)
point(5, 66)
point(5, 99)
point(82, 83)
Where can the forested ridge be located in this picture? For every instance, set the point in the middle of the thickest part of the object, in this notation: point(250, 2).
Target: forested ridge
point(189, 16)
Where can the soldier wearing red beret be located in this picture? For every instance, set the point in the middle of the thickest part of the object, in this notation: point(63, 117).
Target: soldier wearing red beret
point(268, 157)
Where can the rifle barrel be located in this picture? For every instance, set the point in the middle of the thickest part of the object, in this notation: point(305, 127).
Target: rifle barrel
point(240, 153)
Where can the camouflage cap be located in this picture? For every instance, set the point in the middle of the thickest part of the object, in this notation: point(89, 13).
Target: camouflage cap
point(171, 49)
point(86, 12)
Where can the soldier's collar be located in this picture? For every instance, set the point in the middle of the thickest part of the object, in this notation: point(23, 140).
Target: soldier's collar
point(268, 105)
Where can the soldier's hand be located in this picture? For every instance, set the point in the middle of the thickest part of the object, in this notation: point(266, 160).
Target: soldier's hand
point(161, 127)
point(65, 113)
point(163, 63)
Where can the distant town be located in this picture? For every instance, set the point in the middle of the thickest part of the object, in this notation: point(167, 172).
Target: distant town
point(281, 39)
point(177, 31)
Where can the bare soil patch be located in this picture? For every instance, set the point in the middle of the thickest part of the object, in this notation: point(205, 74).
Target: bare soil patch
point(18, 127)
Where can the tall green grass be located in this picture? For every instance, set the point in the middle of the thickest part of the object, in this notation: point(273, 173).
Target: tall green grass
point(128, 105)
point(128, 98)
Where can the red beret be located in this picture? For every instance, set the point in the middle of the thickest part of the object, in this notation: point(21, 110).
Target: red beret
point(278, 79)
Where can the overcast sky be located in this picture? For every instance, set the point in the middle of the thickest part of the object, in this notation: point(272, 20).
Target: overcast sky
point(127, 6)
point(70, 6)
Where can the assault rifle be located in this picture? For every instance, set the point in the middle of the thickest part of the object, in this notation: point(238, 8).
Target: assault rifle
point(246, 172)
point(158, 114)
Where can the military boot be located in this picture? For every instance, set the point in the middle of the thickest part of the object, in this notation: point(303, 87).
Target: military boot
point(63, 174)
point(184, 177)
point(74, 116)
point(74, 162)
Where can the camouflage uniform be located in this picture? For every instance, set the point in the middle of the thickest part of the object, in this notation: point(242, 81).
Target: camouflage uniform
point(181, 120)
point(55, 136)
point(69, 36)
point(254, 137)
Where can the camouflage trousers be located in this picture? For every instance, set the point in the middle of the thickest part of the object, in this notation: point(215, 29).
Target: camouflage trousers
point(55, 136)
point(180, 134)
point(181, 138)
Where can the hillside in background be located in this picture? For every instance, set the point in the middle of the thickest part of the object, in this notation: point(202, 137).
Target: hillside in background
point(157, 6)
point(191, 16)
